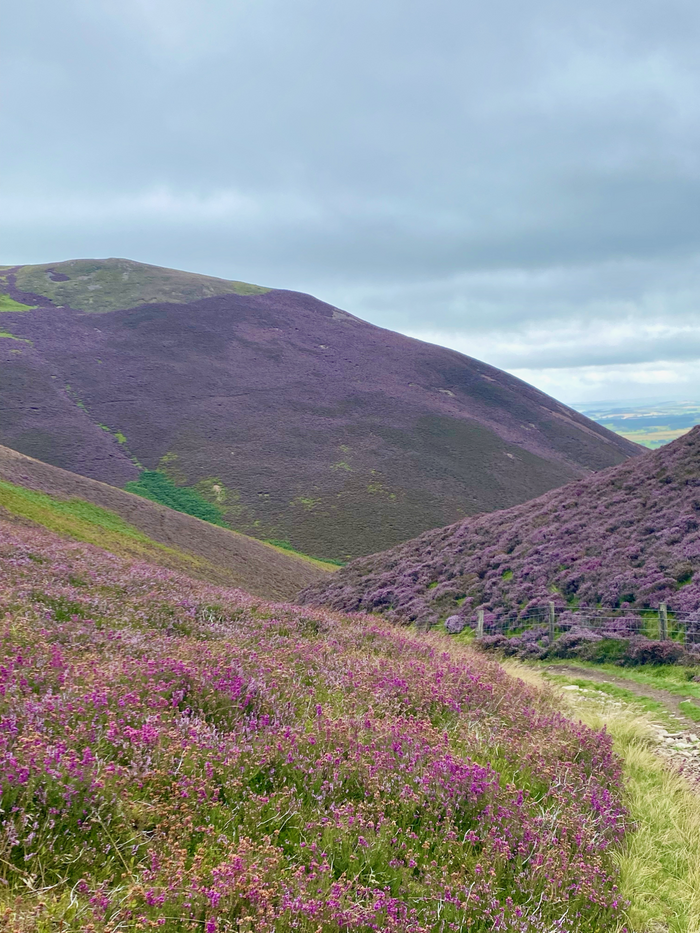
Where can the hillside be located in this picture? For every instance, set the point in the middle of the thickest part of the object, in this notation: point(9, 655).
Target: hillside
point(84, 509)
point(178, 756)
point(627, 536)
point(295, 420)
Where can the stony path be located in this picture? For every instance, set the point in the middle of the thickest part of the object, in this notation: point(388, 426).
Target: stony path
point(680, 748)
point(670, 700)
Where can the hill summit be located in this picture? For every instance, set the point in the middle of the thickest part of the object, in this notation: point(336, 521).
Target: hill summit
point(629, 536)
point(291, 419)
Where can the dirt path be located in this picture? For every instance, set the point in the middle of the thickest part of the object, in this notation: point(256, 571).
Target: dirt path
point(670, 700)
point(682, 748)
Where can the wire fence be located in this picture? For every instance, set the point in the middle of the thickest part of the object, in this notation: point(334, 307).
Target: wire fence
point(660, 624)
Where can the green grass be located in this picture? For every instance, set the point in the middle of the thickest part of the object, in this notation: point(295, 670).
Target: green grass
point(660, 867)
point(102, 285)
point(690, 710)
point(156, 486)
point(324, 563)
point(8, 336)
point(670, 677)
point(10, 305)
point(644, 704)
point(83, 521)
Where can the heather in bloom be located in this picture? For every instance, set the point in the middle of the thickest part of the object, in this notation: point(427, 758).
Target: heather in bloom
point(626, 537)
point(182, 757)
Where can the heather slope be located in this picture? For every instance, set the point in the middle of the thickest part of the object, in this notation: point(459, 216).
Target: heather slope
point(182, 757)
point(298, 421)
point(629, 536)
point(131, 526)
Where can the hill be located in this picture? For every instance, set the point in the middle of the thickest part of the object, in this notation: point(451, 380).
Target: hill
point(178, 756)
point(629, 536)
point(87, 510)
point(292, 419)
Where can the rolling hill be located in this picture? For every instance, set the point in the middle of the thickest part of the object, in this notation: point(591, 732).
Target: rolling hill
point(86, 510)
point(629, 536)
point(291, 419)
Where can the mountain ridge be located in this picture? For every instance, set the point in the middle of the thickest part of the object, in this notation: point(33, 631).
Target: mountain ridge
point(303, 422)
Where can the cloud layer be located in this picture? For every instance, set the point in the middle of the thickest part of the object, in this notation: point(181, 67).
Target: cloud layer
point(521, 182)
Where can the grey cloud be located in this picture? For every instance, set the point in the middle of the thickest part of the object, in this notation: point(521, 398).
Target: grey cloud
point(459, 166)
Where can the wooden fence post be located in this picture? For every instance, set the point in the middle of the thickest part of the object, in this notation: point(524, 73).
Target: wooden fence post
point(663, 622)
point(552, 620)
point(480, 623)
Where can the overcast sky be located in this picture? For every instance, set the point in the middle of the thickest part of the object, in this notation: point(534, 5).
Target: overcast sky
point(520, 181)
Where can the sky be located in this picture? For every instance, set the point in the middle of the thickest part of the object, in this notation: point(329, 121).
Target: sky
point(518, 181)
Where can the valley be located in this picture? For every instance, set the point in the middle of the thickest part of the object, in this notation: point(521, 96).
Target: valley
point(627, 538)
point(295, 421)
point(205, 726)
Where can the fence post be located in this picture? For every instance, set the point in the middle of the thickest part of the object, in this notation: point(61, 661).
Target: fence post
point(663, 622)
point(552, 620)
point(480, 623)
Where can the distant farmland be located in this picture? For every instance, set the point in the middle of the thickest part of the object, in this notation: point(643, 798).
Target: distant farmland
point(649, 425)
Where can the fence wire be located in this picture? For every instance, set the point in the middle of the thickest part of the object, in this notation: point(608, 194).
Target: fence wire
point(658, 624)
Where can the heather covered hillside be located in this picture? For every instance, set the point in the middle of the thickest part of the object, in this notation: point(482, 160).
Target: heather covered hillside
point(286, 418)
point(183, 757)
point(94, 512)
point(626, 537)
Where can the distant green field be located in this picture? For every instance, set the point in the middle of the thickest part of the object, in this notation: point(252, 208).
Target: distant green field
point(649, 425)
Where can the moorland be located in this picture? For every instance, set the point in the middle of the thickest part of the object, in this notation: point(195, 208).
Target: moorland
point(283, 417)
point(626, 537)
point(203, 729)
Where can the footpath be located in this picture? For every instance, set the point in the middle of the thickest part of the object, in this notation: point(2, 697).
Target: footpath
point(680, 747)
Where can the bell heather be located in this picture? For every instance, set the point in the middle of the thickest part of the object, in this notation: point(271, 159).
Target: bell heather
point(178, 756)
point(626, 537)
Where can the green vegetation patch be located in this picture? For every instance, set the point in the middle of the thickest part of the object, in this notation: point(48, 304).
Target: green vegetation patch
point(673, 678)
point(63, 514)
point(10, 305)
point(689, 709)
point(102, 285)
point(660, 864)
point(91, 524)
point(647, 704)
point(208, 500)
point(326, 563)
point(306, 502)
point(8, 336)
point(156, 486)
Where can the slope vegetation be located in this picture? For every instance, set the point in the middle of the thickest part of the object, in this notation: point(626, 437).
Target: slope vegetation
point(131, 526)
point(178, 756)
point(629, 536)
point(296, 421)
